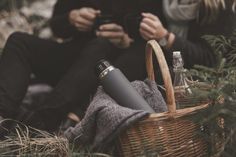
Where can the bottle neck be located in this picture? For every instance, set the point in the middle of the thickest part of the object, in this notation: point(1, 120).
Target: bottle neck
point(178, 62)
point(179, 70)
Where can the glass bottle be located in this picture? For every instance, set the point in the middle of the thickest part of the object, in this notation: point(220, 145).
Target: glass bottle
point(181, 87)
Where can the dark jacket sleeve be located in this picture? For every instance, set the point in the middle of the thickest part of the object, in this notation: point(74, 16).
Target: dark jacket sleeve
point(196, 50)
point(59, 22)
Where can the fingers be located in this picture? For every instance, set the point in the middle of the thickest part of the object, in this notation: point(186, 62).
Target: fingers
point(114, 37)
point(89, 14)
point(111, 27)
point(83, 19)
point(150, 16)
point(150, 22)
point(146, 35)
point(145, 27)
point(110, 31)
point(86, 16)
point(110, 35)
point(115, 34)
point(151, 27)
point(154, 24)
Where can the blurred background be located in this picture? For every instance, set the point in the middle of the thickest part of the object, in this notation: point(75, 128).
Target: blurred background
point(25, 15)
point(29, 16)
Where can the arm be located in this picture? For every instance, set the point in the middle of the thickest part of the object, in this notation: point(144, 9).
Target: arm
point(194, 51)
point(197, 52)
point(59, 23)
point(70, 19)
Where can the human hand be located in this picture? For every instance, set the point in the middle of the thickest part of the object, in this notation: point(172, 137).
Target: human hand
point(115, 34)
point(83, 19)
point(151, 27)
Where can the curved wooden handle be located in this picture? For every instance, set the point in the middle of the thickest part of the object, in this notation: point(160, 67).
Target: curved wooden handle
point(153, 45)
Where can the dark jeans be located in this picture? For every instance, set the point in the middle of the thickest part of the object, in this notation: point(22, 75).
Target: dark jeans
point(69, 67)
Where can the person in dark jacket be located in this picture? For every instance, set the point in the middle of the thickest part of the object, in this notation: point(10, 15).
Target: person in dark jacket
point(183, 23)
point(69, 66)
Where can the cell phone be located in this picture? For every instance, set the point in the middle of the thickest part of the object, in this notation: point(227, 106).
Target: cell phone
point(103, 19)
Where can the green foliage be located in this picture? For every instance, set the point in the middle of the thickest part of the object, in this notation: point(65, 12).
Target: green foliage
point(222, 79)
point(223, 47)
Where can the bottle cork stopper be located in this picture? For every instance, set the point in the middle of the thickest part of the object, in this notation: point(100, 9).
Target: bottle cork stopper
point(176, 53)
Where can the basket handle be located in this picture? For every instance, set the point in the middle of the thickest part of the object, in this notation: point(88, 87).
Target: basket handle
point(153, 45)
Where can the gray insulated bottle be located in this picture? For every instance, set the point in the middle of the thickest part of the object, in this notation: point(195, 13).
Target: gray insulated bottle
point(119, 88)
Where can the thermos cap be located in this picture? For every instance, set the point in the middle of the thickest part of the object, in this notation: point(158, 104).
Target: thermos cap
point(101, 66)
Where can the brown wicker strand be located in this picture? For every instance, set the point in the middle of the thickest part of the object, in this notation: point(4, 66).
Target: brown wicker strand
point(169, 134)
point(152, 45)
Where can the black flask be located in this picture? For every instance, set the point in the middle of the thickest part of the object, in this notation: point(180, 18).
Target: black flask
point(119, 88)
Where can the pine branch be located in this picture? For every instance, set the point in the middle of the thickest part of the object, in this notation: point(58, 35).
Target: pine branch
point(222, 79)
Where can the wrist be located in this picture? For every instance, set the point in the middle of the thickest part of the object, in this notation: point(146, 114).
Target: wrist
point(163, 40)
point(162, 34)
point(171, 40)
point(166, 41)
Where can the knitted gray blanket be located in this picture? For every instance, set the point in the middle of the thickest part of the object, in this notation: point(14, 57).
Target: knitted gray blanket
point(105, 119)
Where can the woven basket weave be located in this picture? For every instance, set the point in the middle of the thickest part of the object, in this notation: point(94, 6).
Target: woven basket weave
point(169, 134)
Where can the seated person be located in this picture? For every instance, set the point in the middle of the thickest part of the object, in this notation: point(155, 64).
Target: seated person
point(182, 23)
point(69, 66)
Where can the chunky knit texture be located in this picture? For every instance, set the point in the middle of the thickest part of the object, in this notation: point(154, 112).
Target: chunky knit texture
point(105, 119)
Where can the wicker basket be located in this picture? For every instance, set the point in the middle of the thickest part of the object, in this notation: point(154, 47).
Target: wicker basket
point(169, 134)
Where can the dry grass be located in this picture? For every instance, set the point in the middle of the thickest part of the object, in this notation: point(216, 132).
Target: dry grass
point(25, 141)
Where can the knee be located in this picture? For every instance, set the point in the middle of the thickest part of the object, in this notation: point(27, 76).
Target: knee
point(16, 37)
point(100, 41)
point(17, 42)
point(100, 45)
point(97, 48)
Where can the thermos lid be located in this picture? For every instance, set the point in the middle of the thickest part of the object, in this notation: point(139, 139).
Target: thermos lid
point(101, 66)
